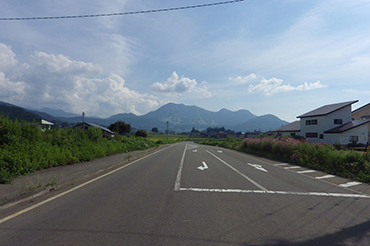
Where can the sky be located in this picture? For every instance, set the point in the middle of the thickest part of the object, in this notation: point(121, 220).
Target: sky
point(280, 57)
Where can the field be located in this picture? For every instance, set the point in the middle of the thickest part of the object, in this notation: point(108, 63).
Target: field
point(171, 138)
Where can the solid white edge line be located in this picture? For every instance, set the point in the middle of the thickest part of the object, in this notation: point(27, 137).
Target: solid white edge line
point(74, 188)
point(179, 172)
point(322, 194)
point(238, 172)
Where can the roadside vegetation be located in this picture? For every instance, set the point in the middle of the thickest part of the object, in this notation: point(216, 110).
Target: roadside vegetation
point(161, 138)
point(351, 164)
point(25, 148)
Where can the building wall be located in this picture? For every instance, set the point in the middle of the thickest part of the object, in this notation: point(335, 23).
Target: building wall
point(345, 137)
point(361, 114)
point(324, 123)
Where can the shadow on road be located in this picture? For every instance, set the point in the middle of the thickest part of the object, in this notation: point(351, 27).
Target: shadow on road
point(355, 235)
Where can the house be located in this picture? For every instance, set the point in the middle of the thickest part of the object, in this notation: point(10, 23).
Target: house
point(362, 113)
point(46, 125)
point(331, 124)
point(291, 130)
point(86, 125)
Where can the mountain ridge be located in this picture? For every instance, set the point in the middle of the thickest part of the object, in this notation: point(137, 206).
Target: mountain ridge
point(181, 118)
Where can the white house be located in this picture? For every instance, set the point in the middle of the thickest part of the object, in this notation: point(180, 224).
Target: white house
point(330, 124)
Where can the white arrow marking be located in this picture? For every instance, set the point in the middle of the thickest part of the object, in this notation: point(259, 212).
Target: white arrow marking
point(203, 167)
point(259, 167)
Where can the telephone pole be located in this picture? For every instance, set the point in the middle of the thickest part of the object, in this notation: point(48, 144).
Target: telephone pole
point(167, 131)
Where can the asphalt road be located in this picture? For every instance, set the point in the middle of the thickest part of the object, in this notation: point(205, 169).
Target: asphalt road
point(189, 194)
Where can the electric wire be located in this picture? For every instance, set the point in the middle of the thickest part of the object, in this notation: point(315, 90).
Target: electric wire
point(117, 14)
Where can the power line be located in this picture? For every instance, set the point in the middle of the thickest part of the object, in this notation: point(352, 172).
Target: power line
point(116, 14)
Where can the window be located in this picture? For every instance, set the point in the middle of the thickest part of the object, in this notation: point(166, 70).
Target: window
point(311, 122)
point(292, 134)
point(321, 136)
point(311, 134)
point(338, 121)
point(353, 139)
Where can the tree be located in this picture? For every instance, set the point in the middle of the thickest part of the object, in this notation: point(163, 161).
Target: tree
point(120, 127)
point(141, 133)
point(155, 129)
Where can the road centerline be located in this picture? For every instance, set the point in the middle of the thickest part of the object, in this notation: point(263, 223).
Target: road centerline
point(238, 172)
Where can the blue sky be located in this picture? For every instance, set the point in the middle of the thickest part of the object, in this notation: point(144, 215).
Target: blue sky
point(281, 57)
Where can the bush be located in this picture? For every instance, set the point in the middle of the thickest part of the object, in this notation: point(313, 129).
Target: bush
point(351, 164)
point(24, 148)
point(141, 133)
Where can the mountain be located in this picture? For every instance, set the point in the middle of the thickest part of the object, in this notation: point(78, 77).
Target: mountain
point(262, 123)
point(181, 118)
point(15, 112)
point(57, 112)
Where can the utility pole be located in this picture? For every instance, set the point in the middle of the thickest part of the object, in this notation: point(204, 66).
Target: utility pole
point(167, 131)
point(83, 120)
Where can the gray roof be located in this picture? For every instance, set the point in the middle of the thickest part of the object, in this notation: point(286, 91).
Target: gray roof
point(361, 107)
point(327, 109)
point(292, 127)
point(348, 126)
point(97, 126)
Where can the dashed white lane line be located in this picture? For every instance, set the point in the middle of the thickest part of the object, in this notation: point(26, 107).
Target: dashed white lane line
point(237, 171)
point(325, 176)
point(349, 184)
point(307, 171)
point(281, 164)
point(322, 194)
point(292, 167)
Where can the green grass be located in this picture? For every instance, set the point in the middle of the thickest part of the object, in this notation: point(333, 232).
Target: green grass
point(171, 138)
point(24, 148)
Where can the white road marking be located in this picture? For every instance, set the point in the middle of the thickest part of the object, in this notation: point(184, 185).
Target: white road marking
point(323, 194)
point(219, 151)
point(179, 172)
point(195, 150)
point(203, 167)
point(326, 177)
point(292, 167)
point(259, 167)
point(238, 172)
point(191, 146)
point(73, 189)
point(349, 184)
point(281, 164)
point(307, 171)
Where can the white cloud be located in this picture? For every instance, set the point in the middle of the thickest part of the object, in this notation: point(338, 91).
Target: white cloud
point(274, 85)
point(271, 86)
point(176, 85)
point(240, 80)
point(59, 82)
point(11, 91)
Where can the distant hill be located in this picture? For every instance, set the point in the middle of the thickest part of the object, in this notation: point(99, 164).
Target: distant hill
point(14, 112)
point(262, 123)
point(57, 112)
point(181, 118)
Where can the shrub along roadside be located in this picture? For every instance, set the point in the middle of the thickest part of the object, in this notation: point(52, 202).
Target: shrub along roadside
point(346, 163)
point(24, 148)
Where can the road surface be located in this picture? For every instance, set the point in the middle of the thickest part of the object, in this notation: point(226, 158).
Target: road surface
point(189, 194)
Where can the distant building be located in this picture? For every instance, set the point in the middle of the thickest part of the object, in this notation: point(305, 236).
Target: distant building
point(86, 125)
point(46, 125)
point(331, 124)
